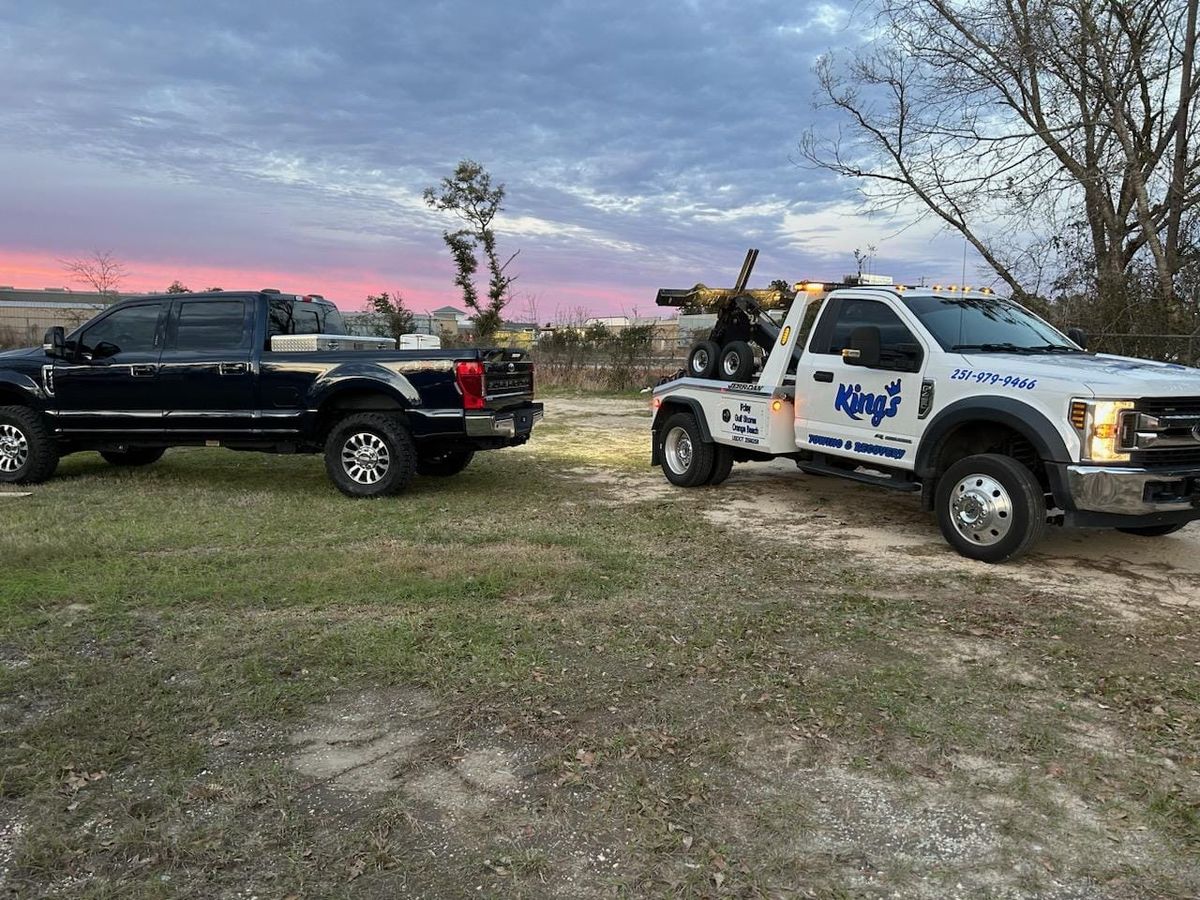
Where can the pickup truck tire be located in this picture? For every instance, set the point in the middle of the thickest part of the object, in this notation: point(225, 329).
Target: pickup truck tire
point(136, 456)
point(737, 361)
point(28, 451)
point(444, 463)
point(990, 507)
point(722, 464)
point(703, 359)
point(1153, 530)
point(687, 459)
point(370, 455)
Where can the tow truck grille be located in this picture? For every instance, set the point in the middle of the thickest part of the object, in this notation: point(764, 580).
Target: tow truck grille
point(1169, 457)
point(1169, 406)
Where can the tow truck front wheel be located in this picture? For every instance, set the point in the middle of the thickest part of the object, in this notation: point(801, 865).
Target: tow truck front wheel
point(990, 507)
point(687, 459)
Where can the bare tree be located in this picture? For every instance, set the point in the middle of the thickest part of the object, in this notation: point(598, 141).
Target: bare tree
point(101, 271)
point(469, 194)
point(1005, 118)
point(178, 287)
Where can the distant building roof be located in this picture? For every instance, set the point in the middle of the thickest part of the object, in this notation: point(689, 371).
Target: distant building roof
point(446, 311)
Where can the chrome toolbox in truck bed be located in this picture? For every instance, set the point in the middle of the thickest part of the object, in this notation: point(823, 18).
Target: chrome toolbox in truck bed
point(284, 343)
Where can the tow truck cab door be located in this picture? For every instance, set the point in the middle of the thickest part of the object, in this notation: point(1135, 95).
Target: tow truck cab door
point(867, 412)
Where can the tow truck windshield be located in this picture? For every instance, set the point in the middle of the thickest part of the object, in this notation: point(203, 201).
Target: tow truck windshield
point(987, 325)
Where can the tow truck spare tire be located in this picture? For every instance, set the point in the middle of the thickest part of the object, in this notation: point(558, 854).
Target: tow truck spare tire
point(737, 361)
point(703, 359)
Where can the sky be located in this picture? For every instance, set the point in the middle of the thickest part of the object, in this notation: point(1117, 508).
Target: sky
point(286, 144)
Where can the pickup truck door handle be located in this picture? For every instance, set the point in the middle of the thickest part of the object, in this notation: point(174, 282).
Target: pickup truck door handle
point(233, 368)
point(823, 376)
point(143, 371)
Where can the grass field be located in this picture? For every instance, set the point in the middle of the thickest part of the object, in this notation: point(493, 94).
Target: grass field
point(554, 676)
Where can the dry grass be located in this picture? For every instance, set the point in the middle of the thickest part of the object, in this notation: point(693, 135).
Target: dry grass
point(553, 677)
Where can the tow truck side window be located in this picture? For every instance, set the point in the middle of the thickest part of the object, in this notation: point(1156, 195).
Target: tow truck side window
point(899, 349)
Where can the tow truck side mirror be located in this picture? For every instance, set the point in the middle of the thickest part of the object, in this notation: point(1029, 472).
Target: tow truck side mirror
point(55, 343)
point(863, 347)
point(1079, 336)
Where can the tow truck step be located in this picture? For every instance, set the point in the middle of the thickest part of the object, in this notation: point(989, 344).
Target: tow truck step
point(895, 483)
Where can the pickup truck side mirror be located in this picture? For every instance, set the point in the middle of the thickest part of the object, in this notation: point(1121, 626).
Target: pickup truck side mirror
point(54, 344)
point(1079, 336)
point(863, 347)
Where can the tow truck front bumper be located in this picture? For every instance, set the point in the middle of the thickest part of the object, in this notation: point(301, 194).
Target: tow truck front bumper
point(1113, 496)
point(511, 424)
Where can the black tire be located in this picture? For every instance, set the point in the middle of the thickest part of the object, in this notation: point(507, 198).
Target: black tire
point(1153, 530)
point(28, 450)
point(722, 464)
point(990, 507)
point(702, 359)
point(370, 455)
point(737, 362)
point(444, 463)
point(134, 456)
point(686, 458)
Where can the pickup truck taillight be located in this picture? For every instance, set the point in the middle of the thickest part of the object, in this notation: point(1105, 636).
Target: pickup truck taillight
point(469, 376)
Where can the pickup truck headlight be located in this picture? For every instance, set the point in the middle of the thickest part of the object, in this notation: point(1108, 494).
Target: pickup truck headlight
point(1099, 424)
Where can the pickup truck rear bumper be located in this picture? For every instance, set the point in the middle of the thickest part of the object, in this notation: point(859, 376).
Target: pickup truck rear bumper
point(1116, 496)
point(510, 424)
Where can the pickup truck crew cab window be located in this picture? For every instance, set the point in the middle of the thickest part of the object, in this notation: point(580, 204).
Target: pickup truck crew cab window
point(133, 329)
point(212, 325)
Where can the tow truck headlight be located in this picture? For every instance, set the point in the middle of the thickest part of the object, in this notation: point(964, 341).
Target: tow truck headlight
point(1099, 423)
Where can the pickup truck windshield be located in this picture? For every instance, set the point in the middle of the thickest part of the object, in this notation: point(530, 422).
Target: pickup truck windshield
point(987, 324)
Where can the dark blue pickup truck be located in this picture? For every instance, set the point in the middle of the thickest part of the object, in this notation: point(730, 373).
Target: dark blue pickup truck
point(198, 370)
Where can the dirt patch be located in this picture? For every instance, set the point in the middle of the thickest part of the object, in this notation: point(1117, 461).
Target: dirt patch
point(361, 743)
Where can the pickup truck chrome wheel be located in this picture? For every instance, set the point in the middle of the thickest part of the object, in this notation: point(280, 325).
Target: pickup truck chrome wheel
point(14, 448)
point(981, 509)
point(677, 450)
point(365, 457)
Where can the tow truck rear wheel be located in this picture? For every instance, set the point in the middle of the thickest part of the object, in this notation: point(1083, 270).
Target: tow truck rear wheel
point(990, 507)
point(687, 459)
point(722, 464)
point(737, 361)
point(702, 359)
point(370, 455)
point(1153, 530)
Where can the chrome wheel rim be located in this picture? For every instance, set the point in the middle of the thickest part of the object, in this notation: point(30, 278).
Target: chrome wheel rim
point(981, 509)
point(366, 458)
point(731, 362)
point(677, 450)
point(14, 448)
point(700, 360)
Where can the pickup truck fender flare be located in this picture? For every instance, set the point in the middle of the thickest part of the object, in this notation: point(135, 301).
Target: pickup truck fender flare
point(673, 405)
point(19, 389)
point(363, 377)
point(1022, 418)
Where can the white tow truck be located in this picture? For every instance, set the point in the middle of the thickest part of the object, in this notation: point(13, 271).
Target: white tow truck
point(1003, 424)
